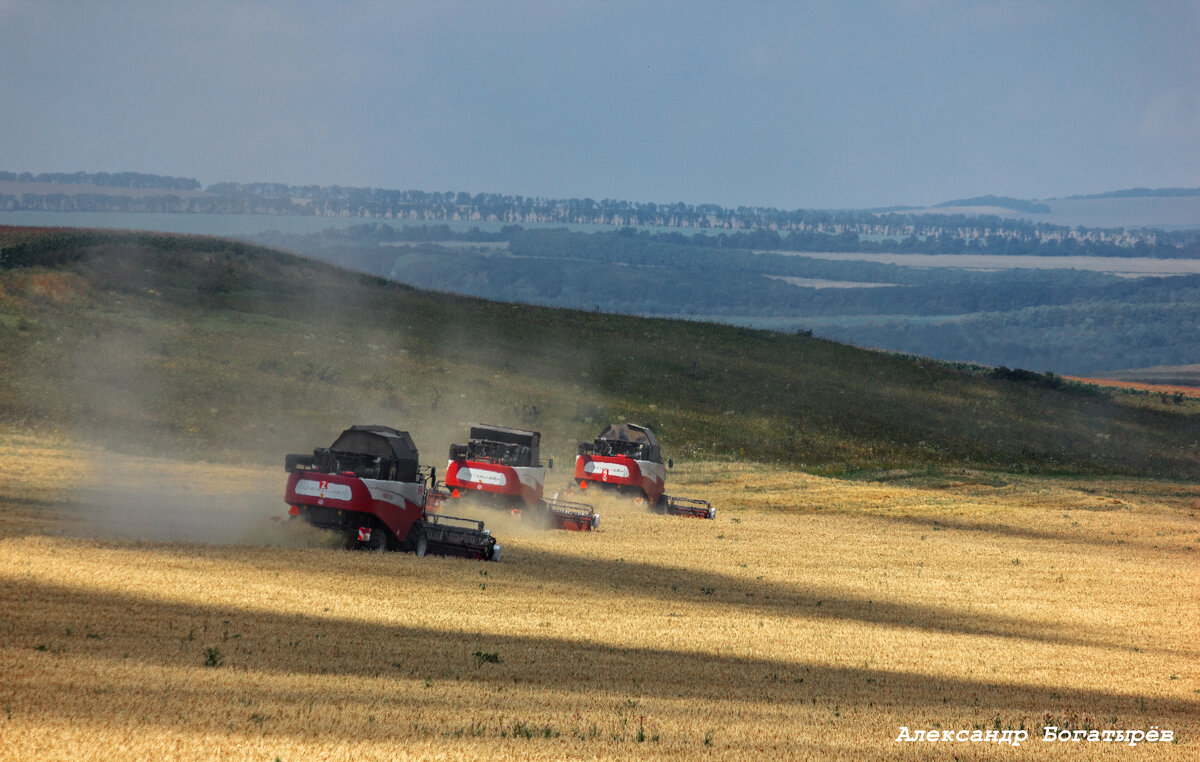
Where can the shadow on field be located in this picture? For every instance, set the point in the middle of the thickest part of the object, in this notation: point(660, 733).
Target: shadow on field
point(640, 579)
point(670, 583)
point(267, 647)
point(1023, 533)
point(30, 515)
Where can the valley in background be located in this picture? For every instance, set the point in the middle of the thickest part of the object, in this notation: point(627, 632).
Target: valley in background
point(989, 280)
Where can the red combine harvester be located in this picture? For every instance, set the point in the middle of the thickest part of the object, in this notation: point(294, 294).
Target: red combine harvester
point(501, 467)
point(368, 486)
point(626, 458)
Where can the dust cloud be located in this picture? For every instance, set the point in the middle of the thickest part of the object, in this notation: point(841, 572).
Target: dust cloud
point(160, 500)
point(435, 382)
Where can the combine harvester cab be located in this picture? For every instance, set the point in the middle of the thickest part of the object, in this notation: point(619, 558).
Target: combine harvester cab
point(369, 487)
point(626, 458)
point(502, 468)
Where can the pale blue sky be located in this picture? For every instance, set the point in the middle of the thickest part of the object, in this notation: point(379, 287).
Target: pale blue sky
point(790, 105)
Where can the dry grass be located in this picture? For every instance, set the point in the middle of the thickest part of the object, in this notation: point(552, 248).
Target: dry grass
point(166, 616)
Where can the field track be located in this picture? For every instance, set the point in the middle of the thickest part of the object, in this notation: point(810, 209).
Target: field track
point(152, 609)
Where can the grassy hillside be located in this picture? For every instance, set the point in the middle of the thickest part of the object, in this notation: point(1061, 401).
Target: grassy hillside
point(209, 347)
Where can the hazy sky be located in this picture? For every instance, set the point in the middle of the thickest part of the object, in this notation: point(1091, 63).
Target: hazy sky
point(783, 104)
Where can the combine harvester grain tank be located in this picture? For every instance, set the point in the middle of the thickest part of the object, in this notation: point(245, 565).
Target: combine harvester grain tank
point(501, 468)
point(626, 458)
point(369, 486)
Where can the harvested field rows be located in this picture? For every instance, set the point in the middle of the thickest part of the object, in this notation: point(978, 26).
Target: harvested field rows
point(152, 609)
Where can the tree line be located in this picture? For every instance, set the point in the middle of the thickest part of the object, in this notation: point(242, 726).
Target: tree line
point(799, 229)
point(106, 179)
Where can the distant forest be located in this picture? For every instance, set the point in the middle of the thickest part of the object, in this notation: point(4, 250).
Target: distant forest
point(797, 230)
point(104, 179)
point(1065, 321)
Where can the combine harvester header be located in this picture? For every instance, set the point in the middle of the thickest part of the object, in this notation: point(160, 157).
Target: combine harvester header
point(502, 468)
point(627, 459)
point(369, 487)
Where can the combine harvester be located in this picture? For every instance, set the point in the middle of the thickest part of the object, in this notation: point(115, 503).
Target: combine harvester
point(369, 487)
point(501, 468)
point(626, 458)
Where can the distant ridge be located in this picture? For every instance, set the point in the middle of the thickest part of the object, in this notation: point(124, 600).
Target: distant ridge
point(1004, 202)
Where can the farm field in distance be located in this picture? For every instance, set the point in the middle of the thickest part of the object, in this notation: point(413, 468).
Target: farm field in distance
point(153, 609)
point(1163, 390)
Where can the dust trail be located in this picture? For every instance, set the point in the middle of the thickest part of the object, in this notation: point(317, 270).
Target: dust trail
point(433, 379)
point(501, 522)
point(155, 499)
point(602, 501)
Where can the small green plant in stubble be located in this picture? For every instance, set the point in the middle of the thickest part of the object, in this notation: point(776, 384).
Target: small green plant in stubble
point(483, 657)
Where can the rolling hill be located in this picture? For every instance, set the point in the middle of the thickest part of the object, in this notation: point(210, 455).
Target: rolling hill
point(221, 349)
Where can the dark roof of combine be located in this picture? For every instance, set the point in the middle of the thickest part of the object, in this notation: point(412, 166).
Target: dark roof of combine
point(629, 432)
point(377, 441)
point(506, 435)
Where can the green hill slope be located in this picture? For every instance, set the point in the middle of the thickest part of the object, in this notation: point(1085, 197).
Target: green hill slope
point(225, 350)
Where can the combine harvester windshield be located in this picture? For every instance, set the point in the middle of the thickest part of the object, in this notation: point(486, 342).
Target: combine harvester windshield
point(627, 459)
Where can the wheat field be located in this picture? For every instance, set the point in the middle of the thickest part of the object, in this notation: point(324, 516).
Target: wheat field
point(153, 609)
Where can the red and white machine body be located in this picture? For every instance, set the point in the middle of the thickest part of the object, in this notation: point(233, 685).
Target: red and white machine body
point(626, 458)
point(396, 504)
point(624, 473)
point(368, 486)
point(523, 484)
point(501, 467)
